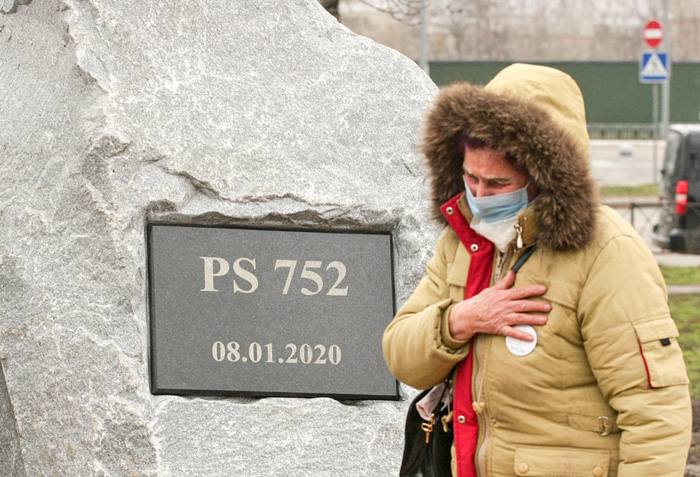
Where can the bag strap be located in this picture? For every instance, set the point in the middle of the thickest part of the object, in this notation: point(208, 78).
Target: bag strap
point(523, 258)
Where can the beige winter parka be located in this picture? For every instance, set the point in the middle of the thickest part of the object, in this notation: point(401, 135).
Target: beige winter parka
point(604, 391)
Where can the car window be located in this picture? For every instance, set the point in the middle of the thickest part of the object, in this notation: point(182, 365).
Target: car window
point(693, 145)
point(673, 142)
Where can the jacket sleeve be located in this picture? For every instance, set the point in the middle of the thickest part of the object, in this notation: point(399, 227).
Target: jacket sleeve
point(630, 341)
point(417, 344)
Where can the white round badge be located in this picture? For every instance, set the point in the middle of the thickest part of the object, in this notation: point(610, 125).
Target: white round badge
point(520, 347)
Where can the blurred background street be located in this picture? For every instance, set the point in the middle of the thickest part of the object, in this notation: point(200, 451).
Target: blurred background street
point(631, 163)
point(620, 162)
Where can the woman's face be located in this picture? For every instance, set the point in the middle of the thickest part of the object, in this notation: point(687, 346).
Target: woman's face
point(488, 172)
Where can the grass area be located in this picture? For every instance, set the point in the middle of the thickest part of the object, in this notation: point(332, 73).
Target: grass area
point(685, 310)
point(681, 275)
point(644, 190)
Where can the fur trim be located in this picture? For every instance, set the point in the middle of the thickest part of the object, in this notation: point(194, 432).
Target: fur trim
point(556, 160)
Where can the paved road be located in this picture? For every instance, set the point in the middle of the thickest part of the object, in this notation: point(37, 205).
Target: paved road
point(640, 166)
point(636, 163)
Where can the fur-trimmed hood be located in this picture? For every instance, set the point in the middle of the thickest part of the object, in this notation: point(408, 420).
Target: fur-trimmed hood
point(536, 115)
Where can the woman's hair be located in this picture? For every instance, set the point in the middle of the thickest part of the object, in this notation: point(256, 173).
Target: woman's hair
point(468, 142)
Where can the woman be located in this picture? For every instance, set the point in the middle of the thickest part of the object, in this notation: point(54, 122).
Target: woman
point(570, 367)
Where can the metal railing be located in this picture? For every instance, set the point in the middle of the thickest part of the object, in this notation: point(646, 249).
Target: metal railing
point(620, 131)
point(641, 212)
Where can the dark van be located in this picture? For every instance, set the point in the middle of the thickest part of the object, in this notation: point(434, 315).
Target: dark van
point(678, 229)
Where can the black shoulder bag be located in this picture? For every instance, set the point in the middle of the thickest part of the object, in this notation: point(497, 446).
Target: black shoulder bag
point(428, 444)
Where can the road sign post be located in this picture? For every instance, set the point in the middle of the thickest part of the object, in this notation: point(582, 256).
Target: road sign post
point(655, 67)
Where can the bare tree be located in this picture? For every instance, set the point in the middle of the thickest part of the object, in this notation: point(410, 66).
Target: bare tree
point(405, 11)
point(472, 29)
point(542, 30)
point(685, 30)
point(331, 6)
point(457, 24)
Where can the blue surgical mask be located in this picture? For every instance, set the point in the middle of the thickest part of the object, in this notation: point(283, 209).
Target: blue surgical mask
point(497, 207)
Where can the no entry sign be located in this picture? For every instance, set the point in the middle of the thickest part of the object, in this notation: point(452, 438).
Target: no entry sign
point(653, 33)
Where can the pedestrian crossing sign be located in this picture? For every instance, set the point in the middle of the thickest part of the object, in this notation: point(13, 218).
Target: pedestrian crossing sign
point(653, 67)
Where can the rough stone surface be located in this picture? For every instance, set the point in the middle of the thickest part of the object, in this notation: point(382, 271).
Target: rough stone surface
point(10, 453)
point(118, 112)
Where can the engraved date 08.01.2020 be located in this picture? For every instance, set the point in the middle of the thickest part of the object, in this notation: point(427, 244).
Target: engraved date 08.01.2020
point(256, 353)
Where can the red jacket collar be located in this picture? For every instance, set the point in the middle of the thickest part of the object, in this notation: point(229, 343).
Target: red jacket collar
point(459, 223)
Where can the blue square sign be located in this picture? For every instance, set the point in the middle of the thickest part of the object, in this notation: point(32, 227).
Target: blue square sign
point(653, 67)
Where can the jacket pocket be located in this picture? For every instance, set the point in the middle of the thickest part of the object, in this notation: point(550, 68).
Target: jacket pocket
point(534, 461)
point(457, 272)
point(662, 356)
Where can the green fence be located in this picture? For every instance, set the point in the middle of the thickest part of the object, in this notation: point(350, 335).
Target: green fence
point(612, 91)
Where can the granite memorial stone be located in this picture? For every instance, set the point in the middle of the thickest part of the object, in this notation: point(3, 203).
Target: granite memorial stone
point(118, 114)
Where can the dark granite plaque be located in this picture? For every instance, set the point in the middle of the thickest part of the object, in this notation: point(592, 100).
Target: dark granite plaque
point(269, 312)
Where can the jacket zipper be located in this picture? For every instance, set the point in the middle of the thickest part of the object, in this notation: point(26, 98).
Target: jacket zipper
point(480, 407)
point(500, 264)
point(480, 351)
